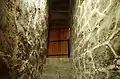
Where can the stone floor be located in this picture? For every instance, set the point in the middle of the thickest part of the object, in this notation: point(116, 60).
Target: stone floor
point(57, 68)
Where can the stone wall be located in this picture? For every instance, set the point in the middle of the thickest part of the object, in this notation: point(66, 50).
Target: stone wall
point(23, 37)
point(95, 41)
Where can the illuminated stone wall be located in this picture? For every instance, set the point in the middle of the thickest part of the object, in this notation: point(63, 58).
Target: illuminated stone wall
point(96, 39)
point(23, 37)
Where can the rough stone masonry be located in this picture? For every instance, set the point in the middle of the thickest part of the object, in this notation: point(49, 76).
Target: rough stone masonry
point(23, 38)
point(96, 39)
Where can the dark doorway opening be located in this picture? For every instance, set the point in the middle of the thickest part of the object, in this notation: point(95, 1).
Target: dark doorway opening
point(59, 28)
point(4, 71)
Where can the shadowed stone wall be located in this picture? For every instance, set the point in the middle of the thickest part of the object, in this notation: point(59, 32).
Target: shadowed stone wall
point(96, 39)
point(23, 37)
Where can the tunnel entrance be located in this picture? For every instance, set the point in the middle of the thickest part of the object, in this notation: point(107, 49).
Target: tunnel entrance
point(59, 28)
point(4, 72)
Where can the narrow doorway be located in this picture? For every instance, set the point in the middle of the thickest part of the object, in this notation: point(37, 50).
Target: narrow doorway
point(59, 29)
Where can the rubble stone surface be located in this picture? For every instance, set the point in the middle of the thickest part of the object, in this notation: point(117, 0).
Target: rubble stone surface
point(23, 37)
point(95, 41)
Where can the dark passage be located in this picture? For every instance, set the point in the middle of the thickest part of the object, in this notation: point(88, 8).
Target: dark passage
point(58, 42)
point(4, 73)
